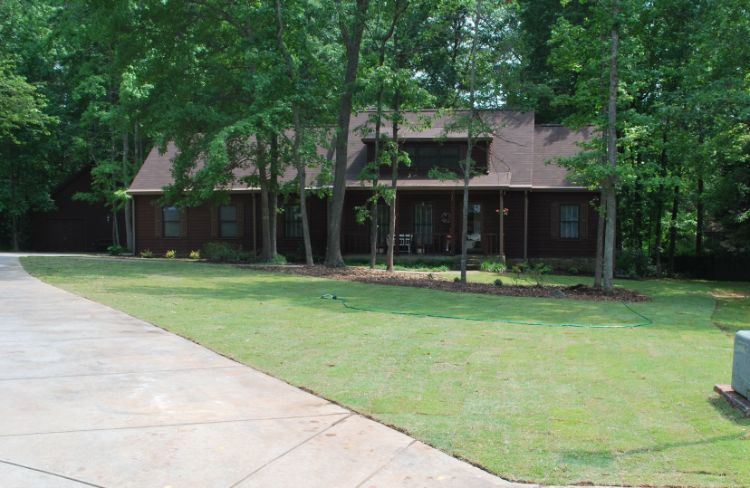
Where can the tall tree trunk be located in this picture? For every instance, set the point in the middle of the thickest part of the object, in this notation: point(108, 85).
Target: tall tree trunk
point(115, 228)
point(601, 222)
point(610, 229)
point(673, 227)
point(273, 196)
point(374, 225)
point(394, 183)
point(352, 41)
point(296, 156)
point(266, 250)
point(699, 211)
point(126, 177)
point(658, 238)
point(14, 232)
point(470, 139)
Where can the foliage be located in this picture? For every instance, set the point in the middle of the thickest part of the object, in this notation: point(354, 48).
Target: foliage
point(170, 254)
point(147, 253)
point(498, 282)
point(194, 254)
point(493, 266)
point(116, 250)
point(539, 272)
point(224, 252)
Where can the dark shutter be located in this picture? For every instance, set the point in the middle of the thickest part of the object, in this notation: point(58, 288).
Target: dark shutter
point(554, 219)
point(583, 221)
point(158, 221)
point(213, 212)
point(240, 219)
point(183, 221)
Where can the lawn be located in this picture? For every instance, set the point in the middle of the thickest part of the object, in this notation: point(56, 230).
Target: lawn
point(552, 405)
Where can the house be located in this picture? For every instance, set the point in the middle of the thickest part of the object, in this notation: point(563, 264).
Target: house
point(74, 225)
point(520, 206)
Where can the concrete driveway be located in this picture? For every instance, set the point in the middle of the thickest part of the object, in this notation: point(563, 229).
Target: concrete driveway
point(90, 396)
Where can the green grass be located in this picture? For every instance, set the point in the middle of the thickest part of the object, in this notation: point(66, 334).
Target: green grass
point(549, 405)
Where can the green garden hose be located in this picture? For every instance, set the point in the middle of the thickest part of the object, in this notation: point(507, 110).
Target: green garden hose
point(645, 320)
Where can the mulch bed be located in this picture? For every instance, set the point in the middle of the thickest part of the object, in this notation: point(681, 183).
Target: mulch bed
point(426, 280)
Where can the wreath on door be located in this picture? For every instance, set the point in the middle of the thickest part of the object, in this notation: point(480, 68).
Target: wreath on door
point(445, 218)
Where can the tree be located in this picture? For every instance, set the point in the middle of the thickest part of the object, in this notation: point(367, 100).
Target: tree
point(22, 122)
point(351, 27)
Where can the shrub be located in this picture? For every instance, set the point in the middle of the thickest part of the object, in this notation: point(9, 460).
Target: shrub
point(573, 270)
point(116, 250)
point(538, 271)
point(222, 251)
point(493, 266)
point(456, 280)
point(498, 282)
point(146, 253)
point(518, 270)
point(278, 259)
point(194, 254)
point(170, 254)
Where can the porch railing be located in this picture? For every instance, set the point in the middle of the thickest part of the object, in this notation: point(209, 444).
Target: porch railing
point(435, 243)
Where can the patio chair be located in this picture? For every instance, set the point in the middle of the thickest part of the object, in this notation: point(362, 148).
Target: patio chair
point(404, 242)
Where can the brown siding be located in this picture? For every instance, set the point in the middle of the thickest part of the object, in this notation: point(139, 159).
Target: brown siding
point(196, 227)
point(541, 240)
point(355, 237)
point(74, 225)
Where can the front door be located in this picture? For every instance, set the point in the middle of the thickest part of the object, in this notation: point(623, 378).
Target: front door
point(474, 222)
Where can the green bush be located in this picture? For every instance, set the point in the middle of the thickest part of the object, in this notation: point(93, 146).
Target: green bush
point(278, 259)
point(456, 280)
point(493, 266)
point(194, 254)
point(170, 254)
point(146, 253)
point(498, 282)
point(116, 250)
point(223, 252)
point(538, 272)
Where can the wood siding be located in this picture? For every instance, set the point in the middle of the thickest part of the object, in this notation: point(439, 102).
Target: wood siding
point(200, 226)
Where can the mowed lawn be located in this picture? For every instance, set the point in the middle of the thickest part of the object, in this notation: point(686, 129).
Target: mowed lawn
point(546, 404)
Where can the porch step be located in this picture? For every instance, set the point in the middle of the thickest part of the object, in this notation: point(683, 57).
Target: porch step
point(473, 264)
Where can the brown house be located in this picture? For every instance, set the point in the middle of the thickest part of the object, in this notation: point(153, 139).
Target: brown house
point(520, 206)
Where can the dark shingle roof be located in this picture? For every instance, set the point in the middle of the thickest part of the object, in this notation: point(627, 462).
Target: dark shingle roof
point(518, 152)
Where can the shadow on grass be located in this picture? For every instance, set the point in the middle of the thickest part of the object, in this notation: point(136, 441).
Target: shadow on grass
point(729, 413)
point(233, 283)
point(604, 458)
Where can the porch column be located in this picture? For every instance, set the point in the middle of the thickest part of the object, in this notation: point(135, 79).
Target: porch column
point(255, 241)
point(525, 224)
point(453, 223)
point(501, 229)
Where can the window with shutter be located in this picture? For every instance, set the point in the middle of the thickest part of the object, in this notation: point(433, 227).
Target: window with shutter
point(228, 227)
point(569, 221)
point(171, 221)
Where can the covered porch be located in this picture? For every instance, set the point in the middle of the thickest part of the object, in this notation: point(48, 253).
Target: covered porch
point(428, 222)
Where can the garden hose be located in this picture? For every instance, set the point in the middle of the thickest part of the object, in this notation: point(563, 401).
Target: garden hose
point(645, 320)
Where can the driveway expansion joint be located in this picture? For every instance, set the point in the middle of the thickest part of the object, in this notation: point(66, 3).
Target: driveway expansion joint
point(30, 468)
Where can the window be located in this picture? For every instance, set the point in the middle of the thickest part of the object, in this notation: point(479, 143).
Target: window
point(292, 221)
point(569, 219)
point(427, 156)
point(228, 221)
point(171, 218)
point(423, 224)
